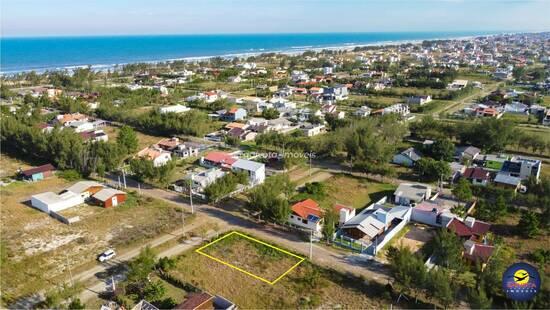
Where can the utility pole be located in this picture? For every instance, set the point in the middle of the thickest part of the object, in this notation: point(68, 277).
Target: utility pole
point(139, 189)
point(309, 164)
point(191, 194)
point(124, 177)
point(69, 267)
point(113, 283)
point(311, 245)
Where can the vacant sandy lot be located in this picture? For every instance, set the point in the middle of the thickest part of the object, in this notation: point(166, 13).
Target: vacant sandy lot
point(36, 247)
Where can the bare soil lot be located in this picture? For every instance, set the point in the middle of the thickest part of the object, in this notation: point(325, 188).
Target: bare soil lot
point(261, 260)
point(34, 245)
point(307, 286)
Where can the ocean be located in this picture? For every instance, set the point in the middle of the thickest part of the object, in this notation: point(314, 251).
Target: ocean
point(103, 52)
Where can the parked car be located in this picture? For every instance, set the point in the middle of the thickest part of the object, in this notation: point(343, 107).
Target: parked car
point(107, 255)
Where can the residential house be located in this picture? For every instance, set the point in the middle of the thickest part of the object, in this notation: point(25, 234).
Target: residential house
point(469, 229)
point(457, 85)
point(344, 213)
point(85, 189)
point(94, 136)
point(364, 111)
point(308, 215)
point(178, 108)
point(430, 213)
point(67, 119)
point(156, 154)
point(201, 180)
point(407, 158)
point(335, 93)
point(477, 175)
point(109, 197)
point(255, 170)
point(504, 180)
point(311, 130)
point(466, 153)
point(81, 126)
point(38, 173)
point(398, 108)
point(546, 118)
point(205, 301)
point(187, 149)
point(218, 159)
point(234, 114)
point(408, 194)
point(376, 225)
point(522, 167)
point(419, 100)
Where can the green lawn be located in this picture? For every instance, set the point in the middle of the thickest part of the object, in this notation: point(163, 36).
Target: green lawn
point(353, 191)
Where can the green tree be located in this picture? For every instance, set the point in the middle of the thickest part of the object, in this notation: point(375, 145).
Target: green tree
point(127, 138)
point(462, 190)
point(440, 287)
point(331, 219)
point(76, 304)
point(447, 250)
point(154, 291)
point(529, 224)
point(270, 113)
point(479, 299)
point(442, 150)
point(140, 267)
point(432, 170)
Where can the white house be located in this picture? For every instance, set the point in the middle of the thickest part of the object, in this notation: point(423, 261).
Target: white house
point(420, 100)
point(255, 170)
point(307, 215)
point(364, 111)
point(178, 108)
point(431, 214)
point(155, 154)
point(82, 126)
point(407, 194)
point(202, 180)
point(311, 130)
point(52, 202)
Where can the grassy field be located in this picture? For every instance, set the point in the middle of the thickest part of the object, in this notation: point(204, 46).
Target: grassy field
point(353, 191)
point(261, 260)
point(34, 244)
point(9, 166)
point(144, 140)
point(506, 227)
point(307, 286)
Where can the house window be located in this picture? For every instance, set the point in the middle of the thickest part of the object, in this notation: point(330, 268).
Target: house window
point(304, 221)
point(292, 216)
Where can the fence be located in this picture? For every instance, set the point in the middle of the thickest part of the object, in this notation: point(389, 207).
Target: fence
point(375, 247)
point(350, 243)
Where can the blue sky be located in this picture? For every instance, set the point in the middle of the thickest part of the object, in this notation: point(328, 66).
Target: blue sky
point(99, 17)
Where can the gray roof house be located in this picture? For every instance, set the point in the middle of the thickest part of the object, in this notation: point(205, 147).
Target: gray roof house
point(407, 194)
point(407, 158)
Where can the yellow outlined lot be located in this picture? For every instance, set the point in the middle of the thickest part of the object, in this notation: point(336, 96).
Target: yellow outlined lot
point(301, 259)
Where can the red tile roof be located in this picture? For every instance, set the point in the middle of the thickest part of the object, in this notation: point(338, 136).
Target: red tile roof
point(459, 228)
point(480, 228)
point(194, 301)
point(476, 173)
point(481, 252)
point(220, 158)
point(43, 168)
point(307, 207)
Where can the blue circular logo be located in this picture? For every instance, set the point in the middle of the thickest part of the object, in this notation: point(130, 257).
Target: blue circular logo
point(521, 282)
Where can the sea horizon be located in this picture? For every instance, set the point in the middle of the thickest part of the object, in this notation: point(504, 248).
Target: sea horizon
point(103, 52)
